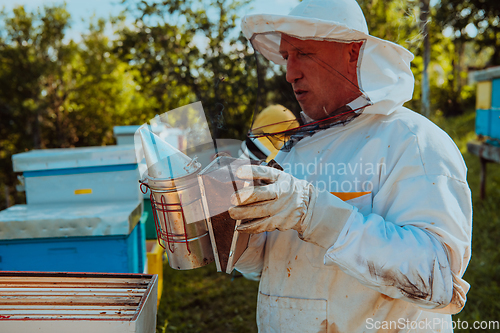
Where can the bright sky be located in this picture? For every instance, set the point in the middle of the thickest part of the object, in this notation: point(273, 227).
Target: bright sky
point(84, 9)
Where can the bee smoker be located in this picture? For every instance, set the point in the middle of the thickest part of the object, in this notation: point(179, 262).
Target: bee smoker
point(175, 194)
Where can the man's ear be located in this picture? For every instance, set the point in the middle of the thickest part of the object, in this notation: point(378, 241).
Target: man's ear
point(354, 49)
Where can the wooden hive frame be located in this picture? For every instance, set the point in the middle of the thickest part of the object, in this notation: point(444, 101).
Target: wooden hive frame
point(77, 302)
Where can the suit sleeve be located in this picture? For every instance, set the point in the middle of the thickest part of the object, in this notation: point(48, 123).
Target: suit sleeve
point(415, 245)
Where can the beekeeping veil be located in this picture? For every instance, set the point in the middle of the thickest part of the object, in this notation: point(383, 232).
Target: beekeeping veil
point(384, 76)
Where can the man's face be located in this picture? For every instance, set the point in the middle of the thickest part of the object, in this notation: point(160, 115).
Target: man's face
point(323, 74)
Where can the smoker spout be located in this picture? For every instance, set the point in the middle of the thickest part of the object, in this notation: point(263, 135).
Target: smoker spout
point(162, 159)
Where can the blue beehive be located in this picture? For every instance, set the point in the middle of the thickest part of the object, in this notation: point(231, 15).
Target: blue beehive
point(483, 123)
point(488, 102)
point(83, 213)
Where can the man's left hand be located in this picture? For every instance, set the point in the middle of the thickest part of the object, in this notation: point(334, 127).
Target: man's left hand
point(285, 202)
point(281, 204)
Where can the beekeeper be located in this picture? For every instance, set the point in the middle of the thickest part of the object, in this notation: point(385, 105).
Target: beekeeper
point(369, 228)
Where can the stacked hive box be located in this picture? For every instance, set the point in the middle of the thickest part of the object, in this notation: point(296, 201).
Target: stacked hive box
point(488, 102)
point(77, 302)
point(83, 213)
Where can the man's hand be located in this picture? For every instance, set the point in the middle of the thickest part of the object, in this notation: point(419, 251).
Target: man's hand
point(281, 203)
point(285, 202)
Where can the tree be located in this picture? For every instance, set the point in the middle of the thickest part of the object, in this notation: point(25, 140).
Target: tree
point(30, 47)
point(28, 53)
point(439, 60)
point(399, 22)
point(482, 16)
point(462, 20)
point(424, 26)
point(181, 54)
point(101, 92)
point(396, 21)
point(55, 93)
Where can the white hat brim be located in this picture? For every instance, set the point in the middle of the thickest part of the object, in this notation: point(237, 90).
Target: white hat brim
point(260, 29)
point(385, 73)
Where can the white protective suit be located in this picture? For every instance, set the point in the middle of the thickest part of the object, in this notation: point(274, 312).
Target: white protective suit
point(396, 263)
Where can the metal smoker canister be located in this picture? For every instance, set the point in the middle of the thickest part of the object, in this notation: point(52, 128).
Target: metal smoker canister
point(176, 201)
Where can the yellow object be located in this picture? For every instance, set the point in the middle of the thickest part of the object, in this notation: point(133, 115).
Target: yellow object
point(83, 191)
point(155, 263)
point(483, 100)
point(344, 196)
point(274, 119)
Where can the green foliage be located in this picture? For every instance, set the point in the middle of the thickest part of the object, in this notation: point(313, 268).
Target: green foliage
point(483, 272)
point(481, 15)
point(468, 50)
point(31, 55)
point(399, 21)
point(55, 93)
point(460, 128)
point(203, 300)
point(181, 53)
point(101, 92)
point(396, 21)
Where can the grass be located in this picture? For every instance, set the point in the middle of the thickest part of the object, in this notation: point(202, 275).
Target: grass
point(483, 273)
point(203, 300)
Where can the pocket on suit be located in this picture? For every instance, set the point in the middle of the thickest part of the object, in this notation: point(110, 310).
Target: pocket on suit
point(290, 314)
point(361, 200)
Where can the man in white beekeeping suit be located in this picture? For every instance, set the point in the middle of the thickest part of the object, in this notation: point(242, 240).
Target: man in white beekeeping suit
point(369, 227)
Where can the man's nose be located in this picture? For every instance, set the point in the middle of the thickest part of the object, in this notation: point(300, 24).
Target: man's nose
point(293, 70)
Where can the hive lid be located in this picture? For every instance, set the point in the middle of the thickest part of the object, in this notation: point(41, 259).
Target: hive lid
point(487, 74)
point(69, 158)
point(125, 130)
point(69, 220)
point(77, 302)
point(161, 130)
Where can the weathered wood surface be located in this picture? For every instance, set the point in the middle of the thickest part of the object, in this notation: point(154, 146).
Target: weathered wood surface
point(32, 300)
point(488, 152)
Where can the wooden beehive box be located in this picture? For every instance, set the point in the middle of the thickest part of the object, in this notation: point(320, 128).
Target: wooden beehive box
point(488, 102)
point(77, 302)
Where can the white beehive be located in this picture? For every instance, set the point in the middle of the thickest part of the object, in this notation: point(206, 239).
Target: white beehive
point(82, 213)
point(78, 175)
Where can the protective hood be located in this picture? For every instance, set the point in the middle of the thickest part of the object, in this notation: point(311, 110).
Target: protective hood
point(384, 73)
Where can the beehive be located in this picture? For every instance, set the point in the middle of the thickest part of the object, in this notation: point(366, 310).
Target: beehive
point(82, 214)
point(77, 302)
point(488, 102)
